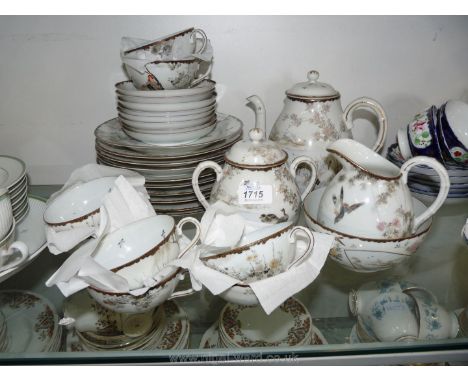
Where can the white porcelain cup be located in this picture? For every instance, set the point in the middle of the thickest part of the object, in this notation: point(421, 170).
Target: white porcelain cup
point(12, 253)
point(6, 213)
point(177, 74)
point(366, 293)
point(392, 317)
point(435, 322)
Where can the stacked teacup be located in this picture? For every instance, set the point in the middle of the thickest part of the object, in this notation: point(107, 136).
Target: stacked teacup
point(399, 311)
point(440, 133)
point(168, 100)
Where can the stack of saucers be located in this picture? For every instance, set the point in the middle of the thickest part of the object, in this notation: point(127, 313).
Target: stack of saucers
point(249, 326)
point(167, 117)
point(31, 323)
point(168, 169)
point(424, 181)
point(14, 178)
point(170, 329)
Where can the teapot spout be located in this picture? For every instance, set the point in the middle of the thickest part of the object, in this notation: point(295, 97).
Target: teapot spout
point(260, 112)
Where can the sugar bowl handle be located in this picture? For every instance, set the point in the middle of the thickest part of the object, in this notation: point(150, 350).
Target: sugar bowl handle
point(368, 103)
point(313, 178)
point(196, 174)
point(443, 190)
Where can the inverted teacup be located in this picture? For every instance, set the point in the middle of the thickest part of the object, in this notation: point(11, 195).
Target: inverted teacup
point(79, 205)
point(6, 212)
point(10, 248)
point(175, 74)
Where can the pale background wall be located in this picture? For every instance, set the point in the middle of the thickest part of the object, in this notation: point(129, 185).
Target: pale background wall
point(57, 74)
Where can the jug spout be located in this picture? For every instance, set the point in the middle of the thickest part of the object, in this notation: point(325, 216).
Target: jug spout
point(260, 112)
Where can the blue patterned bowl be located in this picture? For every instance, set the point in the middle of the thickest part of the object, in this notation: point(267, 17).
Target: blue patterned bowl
point(453, 131)
point(422, 134)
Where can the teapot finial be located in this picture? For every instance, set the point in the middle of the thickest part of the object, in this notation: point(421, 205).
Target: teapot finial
point(313, 75)
point(260, 113)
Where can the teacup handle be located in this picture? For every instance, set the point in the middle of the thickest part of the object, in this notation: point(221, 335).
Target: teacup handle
point(293, 168)
point(196, 174)
point(181, 293)
point(368, 103)
point(196, 237)
point(202, 77)
point(204, 39)
point(310, 245)
point(21, 248)
point(443, 190)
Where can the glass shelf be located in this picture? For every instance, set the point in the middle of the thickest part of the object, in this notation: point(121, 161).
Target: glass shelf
point(439, 265)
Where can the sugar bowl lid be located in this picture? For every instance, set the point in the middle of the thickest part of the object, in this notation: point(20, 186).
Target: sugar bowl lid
point(256, 152)
point(313, 89)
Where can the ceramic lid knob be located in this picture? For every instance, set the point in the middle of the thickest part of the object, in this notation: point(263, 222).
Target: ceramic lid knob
point(313, 75)
point(256, 135)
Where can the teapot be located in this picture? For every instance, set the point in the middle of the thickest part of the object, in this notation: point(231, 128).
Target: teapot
point(312, 118)
point(256, 177)
point(369, 197)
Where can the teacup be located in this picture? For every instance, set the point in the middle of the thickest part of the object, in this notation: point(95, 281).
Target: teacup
point(435, 322)
point(79, 205)
point(140, 252)
point(453, 130)
point(422, 133)
point(6, 213)
point(174, 46)
point(174, 74)
point(392, 317)
point(242, 294)
point(358, 299)
point(403, 144)
point(261, 254)
point(10, 248)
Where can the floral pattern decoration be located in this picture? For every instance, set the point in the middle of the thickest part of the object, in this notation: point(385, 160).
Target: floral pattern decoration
point(419, 131)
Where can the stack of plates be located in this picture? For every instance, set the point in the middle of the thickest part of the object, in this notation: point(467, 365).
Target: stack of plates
point(423, 181)
point(168, 169)
point(170, 330)
point(167, 117)
point(13, 177)
point(31, 323)
point(243, 326)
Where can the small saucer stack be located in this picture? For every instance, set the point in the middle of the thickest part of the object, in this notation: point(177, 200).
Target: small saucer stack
point(14, 178)
point(241, 326)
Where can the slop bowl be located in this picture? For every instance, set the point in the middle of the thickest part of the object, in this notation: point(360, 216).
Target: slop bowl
point(360, 254)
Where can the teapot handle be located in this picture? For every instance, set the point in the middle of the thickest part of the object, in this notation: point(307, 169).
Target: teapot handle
point(196, 174)
point(443, 190)
point(368, 103)
point(313, 178)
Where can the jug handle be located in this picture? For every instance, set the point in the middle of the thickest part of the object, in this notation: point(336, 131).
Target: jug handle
point(368, 103)
point(196, 174)
point(443, 189)
point(313, 179)
point(310, 245)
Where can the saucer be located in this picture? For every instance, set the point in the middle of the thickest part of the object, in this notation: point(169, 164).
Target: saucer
point(32, 323)
point(127, 88)
point(31, 231)
point(12, 171)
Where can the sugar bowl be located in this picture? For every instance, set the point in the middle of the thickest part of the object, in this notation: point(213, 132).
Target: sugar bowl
point(256, 177)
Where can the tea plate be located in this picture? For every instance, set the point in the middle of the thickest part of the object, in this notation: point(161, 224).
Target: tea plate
point(31, 231)
point(167, 106)
point(166, 100)
point(32, 322)
point(167, 118)
point(167, 126)
point(227, 128)
point(12, 171)
point(127, 88)
point(190, 113)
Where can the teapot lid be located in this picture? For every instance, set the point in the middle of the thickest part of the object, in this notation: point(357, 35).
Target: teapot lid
point(256, 152)
point(313, 89)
